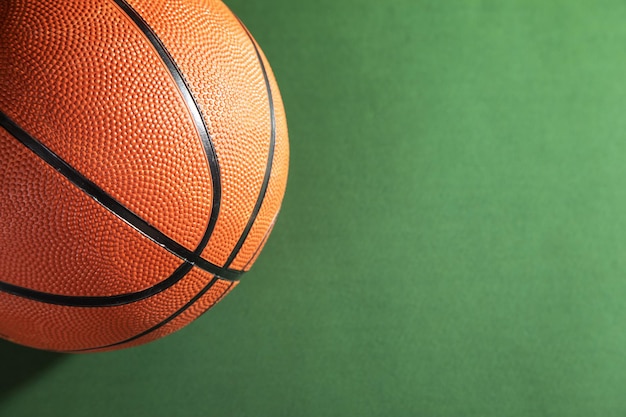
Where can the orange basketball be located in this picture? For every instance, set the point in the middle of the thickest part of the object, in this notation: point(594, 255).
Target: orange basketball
point(143, 161)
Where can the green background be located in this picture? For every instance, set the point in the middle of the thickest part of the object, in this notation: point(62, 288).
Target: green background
point(452, 239)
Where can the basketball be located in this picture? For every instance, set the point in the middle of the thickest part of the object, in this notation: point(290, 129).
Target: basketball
point(143, 162)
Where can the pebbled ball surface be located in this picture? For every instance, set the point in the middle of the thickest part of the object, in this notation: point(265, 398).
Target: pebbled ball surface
point(83, 79)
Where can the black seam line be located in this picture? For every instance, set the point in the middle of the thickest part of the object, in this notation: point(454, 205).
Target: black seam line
point(194, 109)
point(108, 202)
point(263, 241)
point(217, 300)
point(159, 325)
point(97, 301)
point(270, 157)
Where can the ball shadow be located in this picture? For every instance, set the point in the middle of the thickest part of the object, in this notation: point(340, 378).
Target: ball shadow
point(19, 365)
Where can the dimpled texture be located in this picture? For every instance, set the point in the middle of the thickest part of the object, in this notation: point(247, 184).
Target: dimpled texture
point(84, 80)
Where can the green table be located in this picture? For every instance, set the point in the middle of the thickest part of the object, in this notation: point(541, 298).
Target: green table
point(452, 242)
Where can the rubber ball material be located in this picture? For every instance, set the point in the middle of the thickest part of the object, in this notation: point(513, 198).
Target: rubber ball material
point(143, 161)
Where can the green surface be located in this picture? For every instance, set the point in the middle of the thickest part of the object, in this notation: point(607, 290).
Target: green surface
point(452, 240)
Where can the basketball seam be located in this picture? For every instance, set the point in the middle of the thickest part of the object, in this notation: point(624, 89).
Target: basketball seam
point(97, 301)
point(270, 157)
point(263, 241)
point(160, 324)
